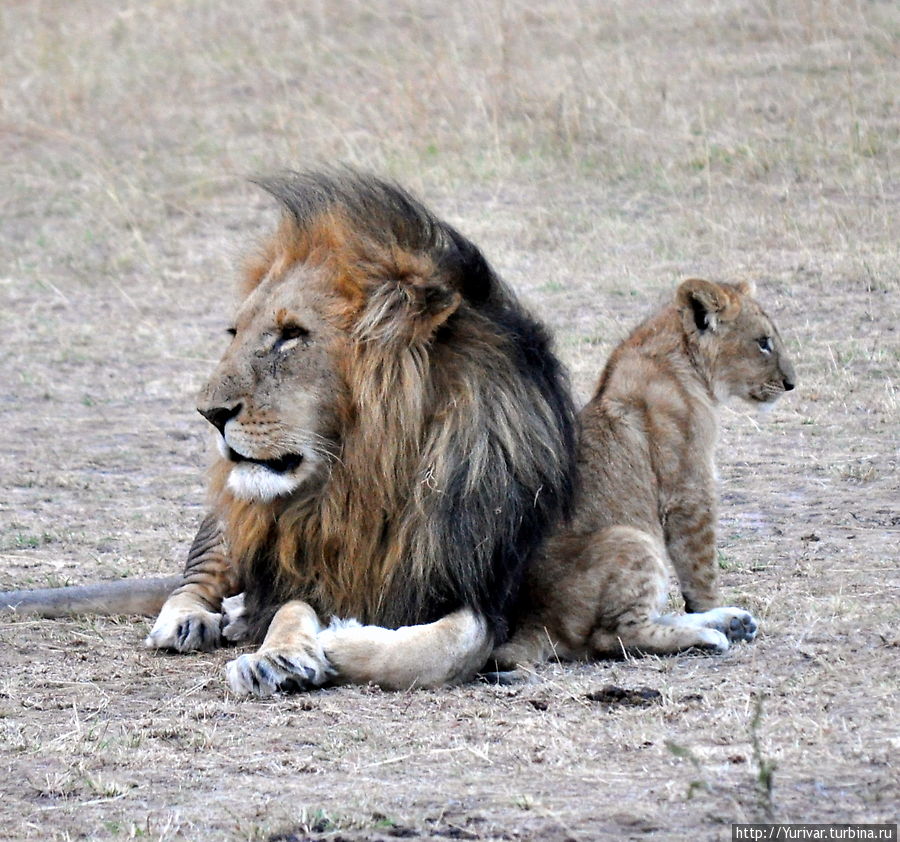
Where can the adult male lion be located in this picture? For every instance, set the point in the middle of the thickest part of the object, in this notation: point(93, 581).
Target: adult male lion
point(396, 439)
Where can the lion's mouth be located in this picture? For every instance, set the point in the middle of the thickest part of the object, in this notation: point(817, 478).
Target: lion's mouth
point(281, 465)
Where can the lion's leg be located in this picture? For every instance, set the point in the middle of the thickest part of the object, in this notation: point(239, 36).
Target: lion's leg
point(533, 642)
point(544, 605)
point(605, 598)
point(587, 582)
point(559, 608)
point(448, 651)
point(190, 618)
point(691, 544)
point(634, 590)
point(290, 658)
point(296, 654)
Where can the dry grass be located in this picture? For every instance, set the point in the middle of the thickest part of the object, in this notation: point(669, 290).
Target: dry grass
point(598, 152)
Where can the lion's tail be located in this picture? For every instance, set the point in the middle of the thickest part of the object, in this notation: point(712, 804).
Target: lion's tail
point(126, 596)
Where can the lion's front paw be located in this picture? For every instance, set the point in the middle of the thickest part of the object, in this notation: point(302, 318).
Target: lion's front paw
point(735, 623)
point(197, 630)
point(278, 670)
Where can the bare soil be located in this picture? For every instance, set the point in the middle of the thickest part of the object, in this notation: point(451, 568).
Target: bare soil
point(598, 152)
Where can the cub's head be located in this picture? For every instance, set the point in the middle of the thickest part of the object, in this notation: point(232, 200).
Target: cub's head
point(734, 342)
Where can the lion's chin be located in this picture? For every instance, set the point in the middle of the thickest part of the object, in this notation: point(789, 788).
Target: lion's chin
point(254, 482)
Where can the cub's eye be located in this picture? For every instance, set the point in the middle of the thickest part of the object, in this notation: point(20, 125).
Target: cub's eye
point(765, 344)
point(289, 336)
point(231, 331)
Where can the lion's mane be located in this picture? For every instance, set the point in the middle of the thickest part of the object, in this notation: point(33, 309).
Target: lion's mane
point(455, 449)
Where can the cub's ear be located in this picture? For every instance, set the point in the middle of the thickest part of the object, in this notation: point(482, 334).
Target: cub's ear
point(747, 288)
point(704, 303)
point(406, 312)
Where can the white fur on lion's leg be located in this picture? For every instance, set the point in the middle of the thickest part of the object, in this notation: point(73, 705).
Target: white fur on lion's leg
point(185, 624)
point(234, 618)
point(449, 651)
point(290, 658)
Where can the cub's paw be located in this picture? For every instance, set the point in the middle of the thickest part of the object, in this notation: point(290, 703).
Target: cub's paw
point(735, 623)
point(278, 670)
point(186, 631)
point(711, 640)
point(234, 619)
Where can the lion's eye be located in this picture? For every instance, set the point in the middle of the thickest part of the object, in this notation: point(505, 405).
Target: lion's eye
point(765, 344)
point(289, 336)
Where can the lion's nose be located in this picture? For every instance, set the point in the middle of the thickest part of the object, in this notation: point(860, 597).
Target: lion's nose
point(219, 416)
point(788, 384)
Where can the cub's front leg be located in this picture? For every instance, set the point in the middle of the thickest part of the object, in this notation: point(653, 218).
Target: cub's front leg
point(191, 617)
point(690, 535)
point(690, 532)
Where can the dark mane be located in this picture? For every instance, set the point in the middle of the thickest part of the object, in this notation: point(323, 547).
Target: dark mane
point(463, 459)
point(389, 217)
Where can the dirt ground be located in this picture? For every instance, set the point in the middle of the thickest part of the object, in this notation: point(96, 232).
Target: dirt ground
point(598, 152)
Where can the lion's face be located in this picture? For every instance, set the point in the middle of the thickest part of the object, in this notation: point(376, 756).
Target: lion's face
point(275, 394)
point(742, 349)
point(754, 362)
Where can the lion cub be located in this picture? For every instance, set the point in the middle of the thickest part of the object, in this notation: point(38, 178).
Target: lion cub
point(647, 490)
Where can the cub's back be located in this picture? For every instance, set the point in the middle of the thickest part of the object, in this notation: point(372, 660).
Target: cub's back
point(647, 424)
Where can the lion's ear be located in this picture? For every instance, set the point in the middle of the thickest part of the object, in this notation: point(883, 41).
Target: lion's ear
point(407, 312)
point(436, 303)
point(747, 288)
point(704, 303)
